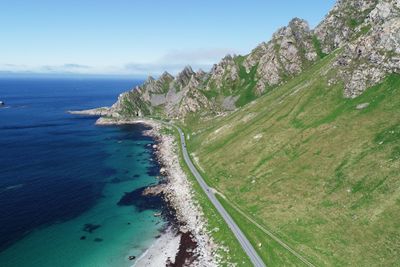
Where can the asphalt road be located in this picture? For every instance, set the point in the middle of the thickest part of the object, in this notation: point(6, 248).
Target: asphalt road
point(244, 242)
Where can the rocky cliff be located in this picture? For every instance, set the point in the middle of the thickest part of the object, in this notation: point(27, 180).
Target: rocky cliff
point(374, 51)
point(286, 55)
point(363, 34)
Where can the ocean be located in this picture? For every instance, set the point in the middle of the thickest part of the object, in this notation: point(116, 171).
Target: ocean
point(69, 189)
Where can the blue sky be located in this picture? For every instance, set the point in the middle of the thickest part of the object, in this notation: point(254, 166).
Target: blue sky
point(137, 38)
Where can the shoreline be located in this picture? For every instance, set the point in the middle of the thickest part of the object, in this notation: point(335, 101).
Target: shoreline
point(185, 242)
point(163, 250)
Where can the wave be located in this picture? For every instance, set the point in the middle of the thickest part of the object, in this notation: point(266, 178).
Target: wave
point(11, 187)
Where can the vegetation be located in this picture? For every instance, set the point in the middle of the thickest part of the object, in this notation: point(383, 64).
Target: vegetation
point(230, 250)
point(305, 163)
point(132, 104)
point(317, 46)
point(308, 175)
point(246, 90)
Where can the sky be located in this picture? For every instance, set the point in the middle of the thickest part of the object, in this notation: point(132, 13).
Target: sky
point(137, 38)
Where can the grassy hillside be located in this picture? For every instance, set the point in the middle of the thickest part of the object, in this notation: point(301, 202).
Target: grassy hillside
point(307, 165)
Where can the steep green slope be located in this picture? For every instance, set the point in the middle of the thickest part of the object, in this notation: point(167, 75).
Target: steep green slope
point(300, 137)
point(307, 164)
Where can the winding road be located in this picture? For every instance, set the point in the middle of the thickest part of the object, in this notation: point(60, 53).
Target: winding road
point(244, 242)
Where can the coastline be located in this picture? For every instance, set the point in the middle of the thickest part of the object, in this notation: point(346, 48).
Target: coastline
point(185, 242)
point(163, 250)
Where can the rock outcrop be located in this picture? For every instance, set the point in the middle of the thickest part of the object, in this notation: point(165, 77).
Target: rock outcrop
point(365, 32)
point(223, 74)
point(290, 50)
point(172, 96)
point(341, 23)
point(375, 53)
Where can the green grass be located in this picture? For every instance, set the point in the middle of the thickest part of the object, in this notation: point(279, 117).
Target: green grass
point(305, 163)
point(317, 46)
point(272, 253)
point(247, 87)
point(243, 88)
point(230, 249)
point(133, 104)
point(353, 23)
point(212, 94)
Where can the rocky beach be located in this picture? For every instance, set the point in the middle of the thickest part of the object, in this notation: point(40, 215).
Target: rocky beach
point(185, 241)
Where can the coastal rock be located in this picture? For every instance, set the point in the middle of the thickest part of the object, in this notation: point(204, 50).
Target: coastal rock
point(179, 194)
point(154, 190)
point(163, 252)
point(90, 228)
point(131, 258)
point(141, 201)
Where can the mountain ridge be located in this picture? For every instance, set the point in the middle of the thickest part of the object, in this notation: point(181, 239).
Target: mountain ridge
point(366, 30)
point(301, 135)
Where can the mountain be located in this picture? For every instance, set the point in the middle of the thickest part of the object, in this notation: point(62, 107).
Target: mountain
point(368, 32)
point(302, 135)
point(362, 34)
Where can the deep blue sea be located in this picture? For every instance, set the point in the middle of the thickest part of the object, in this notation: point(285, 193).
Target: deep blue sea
point(64, 181)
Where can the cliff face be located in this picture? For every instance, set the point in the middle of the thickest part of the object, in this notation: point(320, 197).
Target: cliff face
point(342, 23)
point(364, 33)
point(290, 50)
point(374, 53)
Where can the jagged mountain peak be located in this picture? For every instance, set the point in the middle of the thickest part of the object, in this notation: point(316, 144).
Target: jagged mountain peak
point(183, 78)
point(200, 72)
point(201, 75)
point(298, 21)
point(187, 70)
point(227, 57)
point(296, 25)
point(367, 31)
point(149, 80)
point(290, 50)
point(166, 75)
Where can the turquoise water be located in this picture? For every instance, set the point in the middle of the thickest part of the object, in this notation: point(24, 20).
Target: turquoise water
point(61, 172)
point(60, 244)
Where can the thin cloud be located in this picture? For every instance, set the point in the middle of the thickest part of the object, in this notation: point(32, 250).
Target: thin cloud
point(69, 67)
point(156, 69)
point(198, 56)
point(173, 61)
point(10, 65)
point(76, 66)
